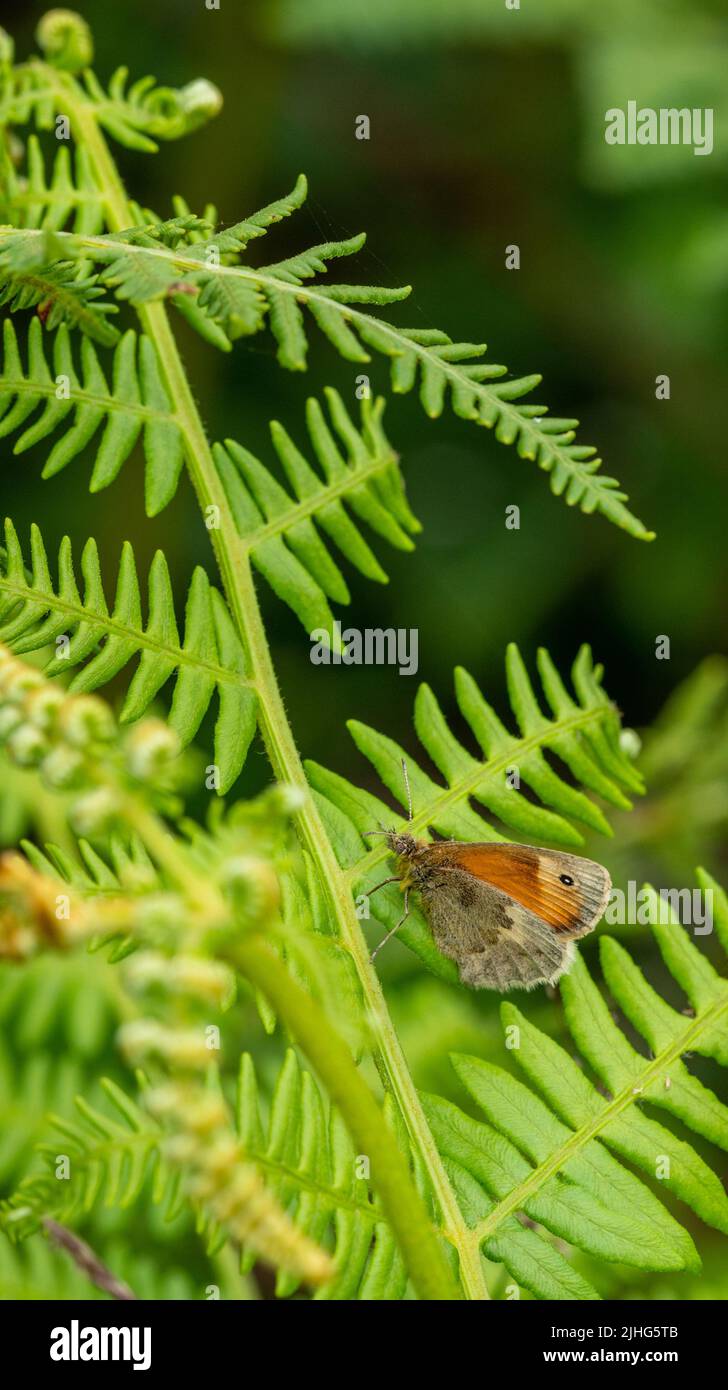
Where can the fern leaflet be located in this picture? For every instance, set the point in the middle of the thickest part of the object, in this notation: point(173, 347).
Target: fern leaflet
point(69, 200)
point(137, 403)
point(282, 534)
point(547, 1150)
point(582, 733)
point(35, 612)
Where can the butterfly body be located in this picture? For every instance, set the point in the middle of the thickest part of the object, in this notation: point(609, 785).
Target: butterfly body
point(507, 914)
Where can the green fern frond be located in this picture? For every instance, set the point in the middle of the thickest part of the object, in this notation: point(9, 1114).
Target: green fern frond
point(301, 1149)
point(139, 115)
point(548, 1148)
point(136, 115)
point(310, 1163)
point(583, 733)
point(187, 305)
point(112, 1160)
point(68, 198)
point(282, 534)
point(31, 278)
point(238, 300)
point(36, 612)
point(144, 267)
point(125, 870)
point(136, 404)
point(125, 867)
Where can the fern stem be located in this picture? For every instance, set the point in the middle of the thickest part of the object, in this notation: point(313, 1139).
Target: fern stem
point(332, 1060)
point(406, 1212)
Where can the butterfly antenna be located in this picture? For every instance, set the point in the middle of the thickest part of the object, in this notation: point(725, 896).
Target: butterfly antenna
point(409, 792)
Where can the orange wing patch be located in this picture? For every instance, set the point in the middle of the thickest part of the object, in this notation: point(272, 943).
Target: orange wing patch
point(529, 877)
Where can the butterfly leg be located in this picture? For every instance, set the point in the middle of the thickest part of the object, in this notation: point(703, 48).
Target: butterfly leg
point(383, 884)
point(391, 933)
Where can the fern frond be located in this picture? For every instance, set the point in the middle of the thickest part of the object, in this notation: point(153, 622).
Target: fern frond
point(310, 1163)
point(548, 1149)
point(136, 115)
point(68, 198)
point(144, 267)
point(113, 1159)
point(35, 612)
point(302, 1150)
point(139, 115)
point(82, 403)
point(583, 733)
point(238, 300)
point(282, 533)
point(125, 871)
point(32, 278)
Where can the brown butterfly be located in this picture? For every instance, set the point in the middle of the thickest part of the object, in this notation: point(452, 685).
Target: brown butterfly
point(507, 914)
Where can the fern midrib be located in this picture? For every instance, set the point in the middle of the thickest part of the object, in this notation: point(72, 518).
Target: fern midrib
point(629, 1095)
point(524, 426)
point(114, 628)
point(78, 397)
point(277, 734)
point(331, 1195)
point(467, 786)
point(103, 1151)
point(310, 506)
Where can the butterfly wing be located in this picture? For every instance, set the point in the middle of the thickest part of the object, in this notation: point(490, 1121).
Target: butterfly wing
point(565, 891)
point(505, 913)
point(496, 943)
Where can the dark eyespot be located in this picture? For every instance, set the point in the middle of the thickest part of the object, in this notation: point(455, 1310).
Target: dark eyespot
point(564, 878)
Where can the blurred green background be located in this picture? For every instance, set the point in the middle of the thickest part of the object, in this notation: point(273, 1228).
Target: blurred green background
point(486, 130)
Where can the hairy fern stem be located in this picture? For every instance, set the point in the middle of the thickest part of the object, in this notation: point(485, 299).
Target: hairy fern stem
point(404, 1208)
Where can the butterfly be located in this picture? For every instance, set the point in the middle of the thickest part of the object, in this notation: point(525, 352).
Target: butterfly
point(507, 914)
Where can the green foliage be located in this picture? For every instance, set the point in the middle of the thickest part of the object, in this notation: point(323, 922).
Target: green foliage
point(302, 1148)
point(360, 473)
point(113, 1154)
point(684, 759)
point(160, 925)
point(34, 1270)
point(311, 1165)
point(209, 659)
point(136, 115)
point(34, 276)
point(582, 733)
point(69, 198)
point(236, 300)
point(548, 1148)
point(136, 404)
